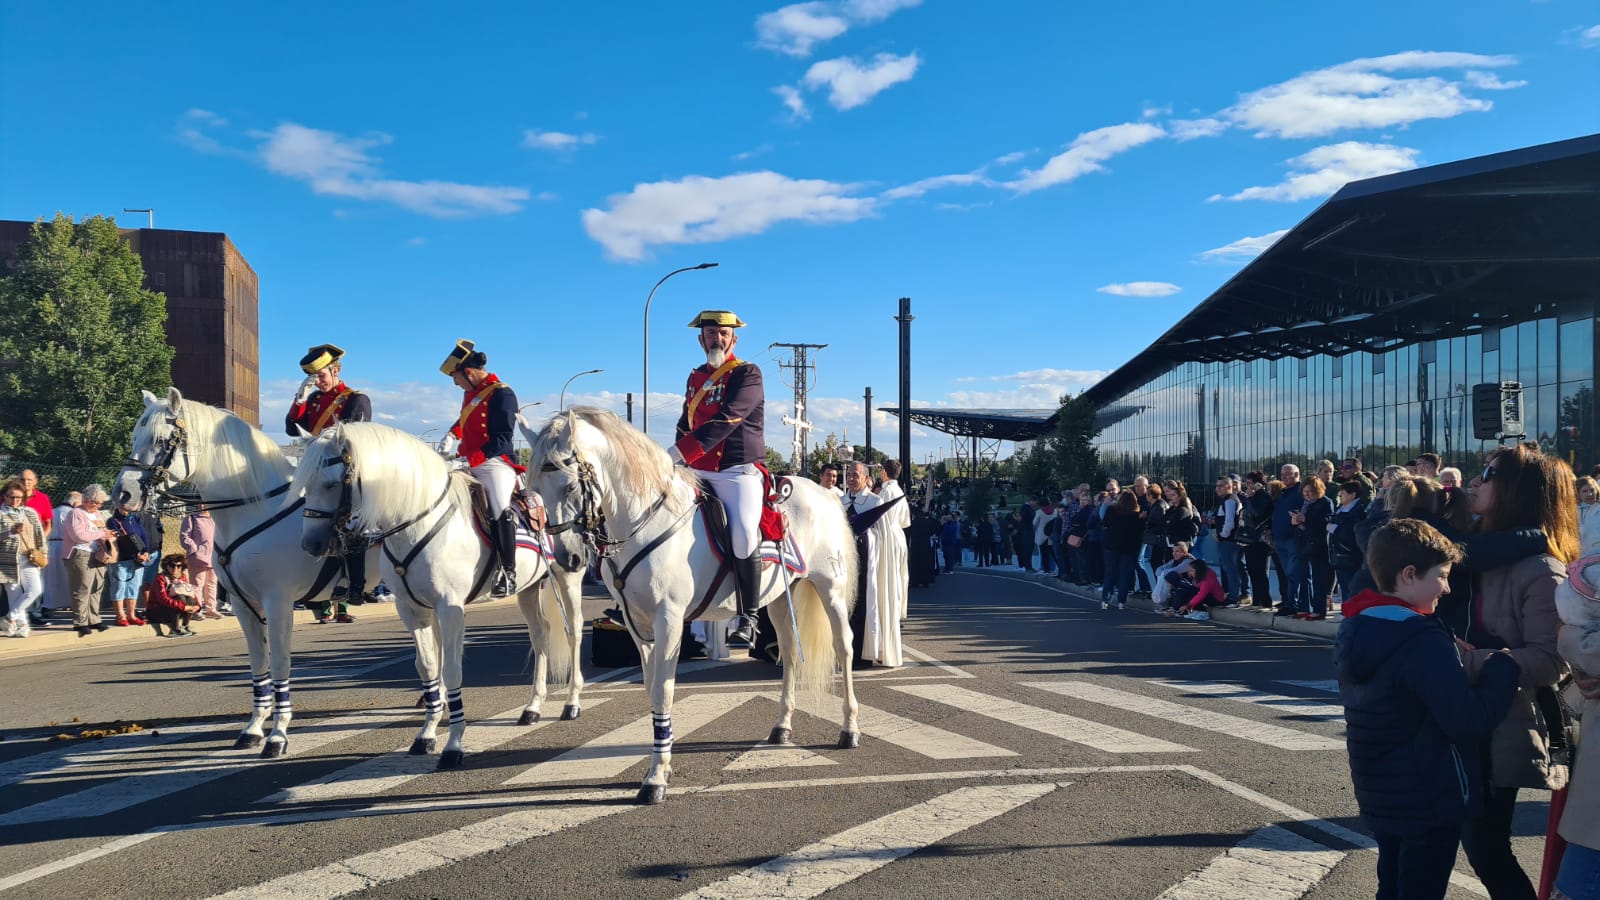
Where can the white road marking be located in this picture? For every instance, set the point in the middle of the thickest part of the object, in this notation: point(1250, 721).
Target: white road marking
point(132, 791)
point(387, 772)
point(1234, 726)
point(765, 684)
point(391, 864)
point(926, 740)
point(612, 754)
point(775, 756)
point(1271, 864)
point(1297, 706)
point(854, 852)
point(944, 666)
point(1327, 686)
point(1060, 725)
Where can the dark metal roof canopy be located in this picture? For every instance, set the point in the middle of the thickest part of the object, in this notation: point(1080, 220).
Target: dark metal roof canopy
point(1422, 255)
point(989, 424)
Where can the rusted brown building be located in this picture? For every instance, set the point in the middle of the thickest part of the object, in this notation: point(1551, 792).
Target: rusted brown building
point(213, 311)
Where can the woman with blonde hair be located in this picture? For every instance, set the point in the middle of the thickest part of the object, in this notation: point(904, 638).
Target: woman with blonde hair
point(1513, 610)
point(1588, 515)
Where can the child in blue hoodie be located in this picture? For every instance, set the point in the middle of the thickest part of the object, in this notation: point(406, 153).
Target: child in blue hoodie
point(1413, 720)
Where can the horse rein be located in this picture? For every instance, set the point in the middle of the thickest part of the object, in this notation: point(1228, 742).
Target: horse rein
point(153, 477)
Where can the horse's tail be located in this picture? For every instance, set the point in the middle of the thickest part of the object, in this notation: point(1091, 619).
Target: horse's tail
point(815, 638)
point(554, 620)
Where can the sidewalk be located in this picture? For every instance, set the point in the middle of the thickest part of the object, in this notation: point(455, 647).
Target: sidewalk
point(1258, 620)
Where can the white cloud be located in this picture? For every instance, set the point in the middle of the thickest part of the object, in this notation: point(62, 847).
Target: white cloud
point(851, 83)
point(534, 139)
point(793, 101)
point(698, 209)
point(193, 130)
point(918, 188)
point(339, 166)
point(1363, 94)
point(1489, 81)
point(1586, 37)
point(1324, 170)
point(1015, 156)
point(1086, 153)
point(1244, 248)
point(1140, 289)
point(797, 28)
point(1191, 129)
point(417, 241)
point(762, 150)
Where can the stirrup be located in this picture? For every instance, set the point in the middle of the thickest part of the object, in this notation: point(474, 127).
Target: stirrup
point(505, 584)
point(744, 633)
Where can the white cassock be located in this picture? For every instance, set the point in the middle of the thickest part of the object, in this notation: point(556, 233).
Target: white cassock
point(897, 558)
point(881, 643)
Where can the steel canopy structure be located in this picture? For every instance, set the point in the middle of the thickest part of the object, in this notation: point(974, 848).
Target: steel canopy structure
point(1429, 254)
point(985, 428)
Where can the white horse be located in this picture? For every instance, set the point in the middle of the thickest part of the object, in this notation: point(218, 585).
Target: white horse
point(241, 474)
point(367, 480)
point(660, 565)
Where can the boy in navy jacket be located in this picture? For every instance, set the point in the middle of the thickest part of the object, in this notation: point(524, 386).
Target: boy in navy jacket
point(1413, 720)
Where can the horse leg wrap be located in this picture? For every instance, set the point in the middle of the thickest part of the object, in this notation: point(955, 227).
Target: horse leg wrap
point(261, 692)
point(430, 698)
point(280, 696)
point(662, 724)
point(458, 710)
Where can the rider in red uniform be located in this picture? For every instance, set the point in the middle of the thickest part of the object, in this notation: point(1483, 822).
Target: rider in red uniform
point(721, 434)
point(324, 399)
point(488, 422)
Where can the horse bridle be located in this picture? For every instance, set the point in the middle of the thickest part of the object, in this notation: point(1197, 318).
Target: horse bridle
point(154, 476)
point(589, 523)
point(348, 538)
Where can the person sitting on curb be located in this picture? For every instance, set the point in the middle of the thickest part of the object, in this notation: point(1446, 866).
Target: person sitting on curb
point(1180, 562)
point(172, 598)
point(1195, 592)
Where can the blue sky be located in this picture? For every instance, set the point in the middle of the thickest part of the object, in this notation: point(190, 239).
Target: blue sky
point(1052, 186)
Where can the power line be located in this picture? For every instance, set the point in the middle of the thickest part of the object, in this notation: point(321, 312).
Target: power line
point(803, 374)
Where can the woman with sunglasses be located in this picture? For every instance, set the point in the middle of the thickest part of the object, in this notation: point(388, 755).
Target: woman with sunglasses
point(1512, 608)
point(172, 598)
point(21, 533)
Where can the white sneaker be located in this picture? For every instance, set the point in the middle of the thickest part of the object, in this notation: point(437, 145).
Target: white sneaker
point(23, 630)
point(11, 627)
point(1105, 604)
point(1199, 615)
point(1122, 606)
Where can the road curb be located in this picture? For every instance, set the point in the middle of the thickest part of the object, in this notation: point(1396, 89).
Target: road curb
point(1237, 618)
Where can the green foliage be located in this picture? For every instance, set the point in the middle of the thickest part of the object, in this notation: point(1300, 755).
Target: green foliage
point(1076, 459)
point(79, 338)
point(980, 496)
point(1036, 469)
point(776, 463)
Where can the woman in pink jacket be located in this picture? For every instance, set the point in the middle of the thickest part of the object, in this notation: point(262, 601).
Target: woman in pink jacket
point(197, 535)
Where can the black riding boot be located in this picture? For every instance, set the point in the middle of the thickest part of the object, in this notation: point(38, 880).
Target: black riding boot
point(747, 581)
point(505, 541)
point(355, 573)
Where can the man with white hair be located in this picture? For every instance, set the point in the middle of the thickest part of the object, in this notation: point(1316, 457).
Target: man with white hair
point(1295, 573)
point(876, 617)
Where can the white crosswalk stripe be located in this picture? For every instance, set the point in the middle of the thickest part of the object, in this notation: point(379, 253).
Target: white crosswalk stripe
point(1068, 728)
point(612, 754)
point(842, 858)
point(1327, 686)
point(165, 780)
point(391, 770)
point(1299, 707)
point(115, 751)
point(925, 740)
point(1235, 726)
point(1271, 864)
point(775, 756)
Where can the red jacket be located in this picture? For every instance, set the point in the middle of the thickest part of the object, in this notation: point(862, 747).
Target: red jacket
point(327, 407)
point(161, 595)
point(723, 420)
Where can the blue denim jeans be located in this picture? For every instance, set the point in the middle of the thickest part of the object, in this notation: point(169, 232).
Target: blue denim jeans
point(1228, 555)
point(126, 576)
point(1417, 866)
point(1579, 877)
point(1297, 577)
point(1119, 576)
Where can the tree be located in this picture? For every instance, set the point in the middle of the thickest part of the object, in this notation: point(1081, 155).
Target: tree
point(775, 462)
point(975, 505)
point(1076, 458)
point(1035, 469)
point(79, 338)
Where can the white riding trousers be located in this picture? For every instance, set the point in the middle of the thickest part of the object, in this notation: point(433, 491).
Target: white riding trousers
point(499, 482)
point(739, 489)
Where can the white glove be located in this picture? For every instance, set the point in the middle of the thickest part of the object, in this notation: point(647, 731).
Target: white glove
point(307, 387)
point(448, 444)
point(676, 455)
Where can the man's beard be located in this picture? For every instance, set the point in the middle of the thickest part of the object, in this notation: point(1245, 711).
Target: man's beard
point(715, 357)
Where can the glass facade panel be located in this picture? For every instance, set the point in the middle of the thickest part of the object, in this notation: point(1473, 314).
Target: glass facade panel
point(1577, 350)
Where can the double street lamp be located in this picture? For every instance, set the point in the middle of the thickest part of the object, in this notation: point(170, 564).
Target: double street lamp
point(570, 380)
point(644, 414)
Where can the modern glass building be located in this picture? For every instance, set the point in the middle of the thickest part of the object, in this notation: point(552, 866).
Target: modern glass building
point(1362, 330)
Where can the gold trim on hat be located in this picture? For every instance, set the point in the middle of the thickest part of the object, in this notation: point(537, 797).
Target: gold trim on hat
point(716, 317)
point(458, 355)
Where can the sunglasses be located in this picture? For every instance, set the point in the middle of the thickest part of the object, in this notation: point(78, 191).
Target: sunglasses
point(1488, 473)
point(14, 497)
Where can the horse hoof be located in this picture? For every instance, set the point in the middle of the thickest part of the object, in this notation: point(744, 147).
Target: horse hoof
point(247, 742)
point(450, 759)
point(528, 717)
point(274, 749)
point(778, 736)
point(652, 794)
point(570, 711)
point(423, 746)
point(849, 740)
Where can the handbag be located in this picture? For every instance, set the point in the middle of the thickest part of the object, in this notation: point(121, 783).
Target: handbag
point(1246, 534)
point(1074, 540)
point(38, 558)
point(104, 553)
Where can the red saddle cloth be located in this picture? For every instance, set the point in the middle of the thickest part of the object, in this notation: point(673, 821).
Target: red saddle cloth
point(772, 523)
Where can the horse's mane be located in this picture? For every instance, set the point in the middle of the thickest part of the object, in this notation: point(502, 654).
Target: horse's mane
point(643, 470)
point(399, 474)
point(248, 462)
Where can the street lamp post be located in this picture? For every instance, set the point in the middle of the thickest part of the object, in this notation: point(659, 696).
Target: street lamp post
point(570, 380)
point(644, 407)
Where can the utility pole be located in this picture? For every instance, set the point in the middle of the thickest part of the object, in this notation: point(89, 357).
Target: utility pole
point(869, 423)
point(904, 319)
point(803, 372)
point(630, 407)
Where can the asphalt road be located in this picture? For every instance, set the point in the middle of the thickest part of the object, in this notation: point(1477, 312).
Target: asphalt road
point(1034, 746)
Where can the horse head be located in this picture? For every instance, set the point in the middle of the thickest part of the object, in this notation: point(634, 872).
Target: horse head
point(160, 455)
point(326, 479)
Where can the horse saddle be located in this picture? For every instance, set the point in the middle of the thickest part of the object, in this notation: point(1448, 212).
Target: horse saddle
point(530, 517)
